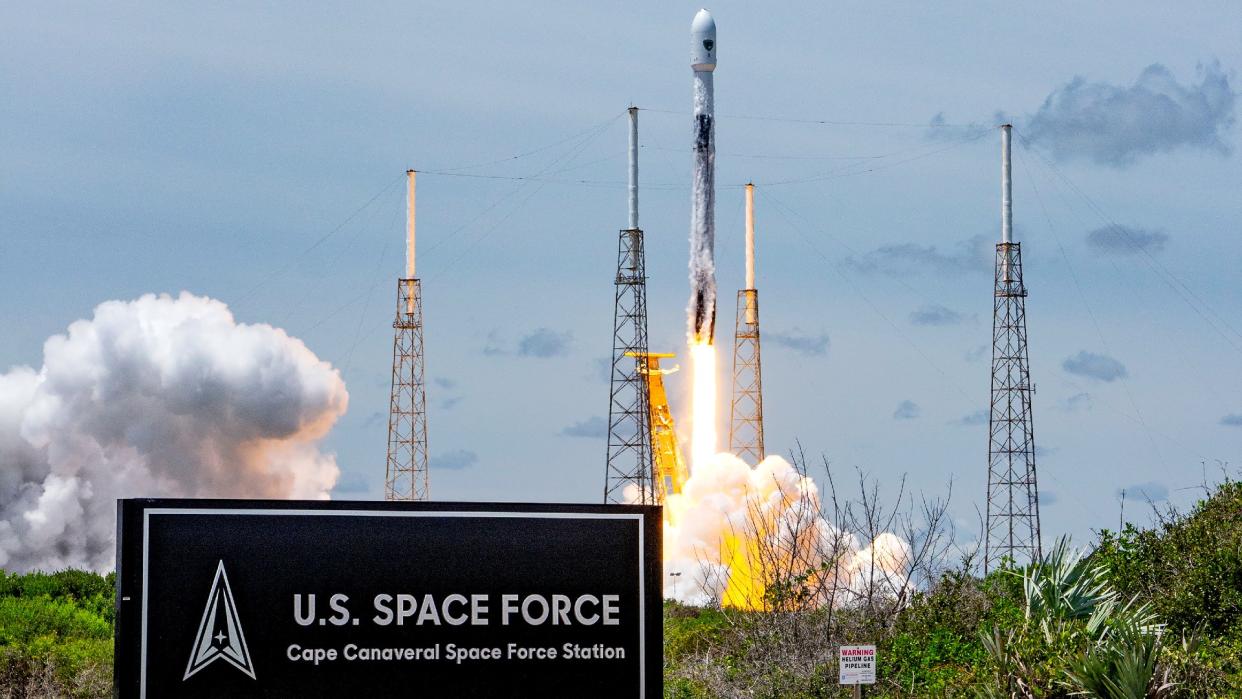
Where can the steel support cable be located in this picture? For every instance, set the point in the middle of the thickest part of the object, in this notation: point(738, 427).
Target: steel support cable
point(1210, 385)
point(540, 149)
point(364, 222)
point(522, 179)
point(823, 122)
point(319, 241)
point(1095, 321)
point(1165, 275)
point(370, 294)
point(785, 211)
point(569, 156)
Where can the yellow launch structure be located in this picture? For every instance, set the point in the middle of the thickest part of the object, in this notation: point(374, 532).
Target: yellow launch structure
point(670, 468)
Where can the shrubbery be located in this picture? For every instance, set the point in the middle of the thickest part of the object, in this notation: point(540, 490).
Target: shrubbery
point(1148, 613)
point(56, 634)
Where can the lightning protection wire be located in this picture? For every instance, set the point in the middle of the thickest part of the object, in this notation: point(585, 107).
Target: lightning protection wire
point(789, 215)
point(822, 122)
point(1082, 297)
point(1180, 288)
point(297, 259)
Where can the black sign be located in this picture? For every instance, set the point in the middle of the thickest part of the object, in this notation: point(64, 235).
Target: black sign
point(243, 598)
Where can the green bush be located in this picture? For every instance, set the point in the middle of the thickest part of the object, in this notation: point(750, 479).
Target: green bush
point(56, 634)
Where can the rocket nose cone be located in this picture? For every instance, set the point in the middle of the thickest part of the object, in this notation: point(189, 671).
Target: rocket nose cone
point(703, 22)
point(703, 42)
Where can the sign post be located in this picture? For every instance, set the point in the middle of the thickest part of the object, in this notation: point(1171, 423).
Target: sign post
point(857, 666)
point(287, 598)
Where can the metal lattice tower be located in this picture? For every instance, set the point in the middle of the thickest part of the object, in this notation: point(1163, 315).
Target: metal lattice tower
point(746, 408)
point(629, 465)
point(628, 472)
point(406, 477)
point(1013, 493)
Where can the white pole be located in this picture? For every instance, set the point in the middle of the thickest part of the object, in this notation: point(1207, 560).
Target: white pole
point(409, 241)
point(1006, 187)
point(633, 167)
point(750, 236)
point(409, 225)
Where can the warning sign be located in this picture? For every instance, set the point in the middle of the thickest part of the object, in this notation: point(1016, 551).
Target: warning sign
point(857, 664)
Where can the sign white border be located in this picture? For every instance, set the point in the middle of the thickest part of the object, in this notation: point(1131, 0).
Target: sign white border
point(860, 676)
point(637, 517)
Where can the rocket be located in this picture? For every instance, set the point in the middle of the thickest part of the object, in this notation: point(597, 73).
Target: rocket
point(702, 310)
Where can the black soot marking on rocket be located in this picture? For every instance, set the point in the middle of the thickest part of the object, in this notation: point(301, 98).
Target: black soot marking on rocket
point(703, 134)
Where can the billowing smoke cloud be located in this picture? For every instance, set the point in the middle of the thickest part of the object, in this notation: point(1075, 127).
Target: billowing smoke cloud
point(1115, 125)
point(159, 396)
point(734, 527)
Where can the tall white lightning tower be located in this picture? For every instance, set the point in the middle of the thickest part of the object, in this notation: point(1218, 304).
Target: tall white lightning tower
point(746, 411)
point(406, 476)
point(1013, 493)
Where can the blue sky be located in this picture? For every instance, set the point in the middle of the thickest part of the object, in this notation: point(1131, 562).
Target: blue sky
point(255, 155)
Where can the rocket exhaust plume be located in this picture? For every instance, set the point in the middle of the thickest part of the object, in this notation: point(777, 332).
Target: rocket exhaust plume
point(702, 311)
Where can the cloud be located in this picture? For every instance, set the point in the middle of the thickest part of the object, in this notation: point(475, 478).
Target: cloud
point(977, 354)
point(158, 396)
point(1076, 402)
point(1115, 125)
point(933, 314)
point(906, 410)
point(494, 347)
point(591, 428)
point(974, 254)
point(796, 340)
point(544, 343)
point(979, 417)
point(1143, 492)
point(1127, 239)
point(1232, 420)
point(941, 130)
point(446, 397)
point(1095, 366)
point(455, 460)
point(541, 343)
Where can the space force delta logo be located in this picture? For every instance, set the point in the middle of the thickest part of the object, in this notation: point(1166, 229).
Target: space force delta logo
point(220, 635)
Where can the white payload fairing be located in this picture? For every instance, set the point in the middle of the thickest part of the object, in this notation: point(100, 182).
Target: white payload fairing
point(702, 311)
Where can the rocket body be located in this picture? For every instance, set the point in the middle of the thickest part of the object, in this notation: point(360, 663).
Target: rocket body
point(702, 310)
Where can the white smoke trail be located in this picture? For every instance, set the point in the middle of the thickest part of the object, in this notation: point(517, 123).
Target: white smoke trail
point(702, 310)
point(159, 396)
